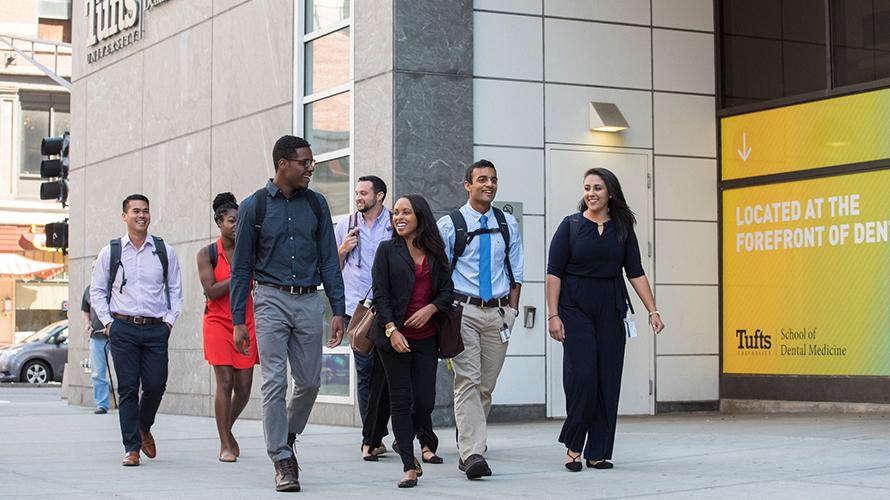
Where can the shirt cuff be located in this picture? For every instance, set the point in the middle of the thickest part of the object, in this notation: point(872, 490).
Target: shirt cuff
point(338, 310)
point(170, 319)
point(105, 318)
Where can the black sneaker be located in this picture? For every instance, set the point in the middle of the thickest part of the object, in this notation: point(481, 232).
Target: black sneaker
point(476, 467)
point(287, 474)
point(101, 411)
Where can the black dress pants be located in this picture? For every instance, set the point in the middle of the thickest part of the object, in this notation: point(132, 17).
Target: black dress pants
point(411, 377)
point(593, 357)
point(140, 360)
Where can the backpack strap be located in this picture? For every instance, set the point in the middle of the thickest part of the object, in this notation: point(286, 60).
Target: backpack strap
point(312, 198)
point(460, 236)
point(574, 227)
point(114, 263)
point(161, 252)
point(505, 233)
point(213, 254)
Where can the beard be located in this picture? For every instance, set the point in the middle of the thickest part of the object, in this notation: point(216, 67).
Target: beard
point(368, 206)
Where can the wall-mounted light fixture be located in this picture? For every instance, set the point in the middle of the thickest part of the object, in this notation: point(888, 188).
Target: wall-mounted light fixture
point(606, 117)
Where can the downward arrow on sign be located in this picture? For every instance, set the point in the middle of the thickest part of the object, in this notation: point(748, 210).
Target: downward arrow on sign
point(745, 148)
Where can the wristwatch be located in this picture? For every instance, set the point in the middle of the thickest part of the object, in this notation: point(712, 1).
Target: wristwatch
point(389, 331)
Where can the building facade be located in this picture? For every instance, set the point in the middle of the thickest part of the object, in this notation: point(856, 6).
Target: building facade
point(187, 100)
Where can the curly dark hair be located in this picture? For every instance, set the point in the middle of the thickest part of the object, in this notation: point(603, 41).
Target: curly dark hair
point(618, 210)
point(222, 203)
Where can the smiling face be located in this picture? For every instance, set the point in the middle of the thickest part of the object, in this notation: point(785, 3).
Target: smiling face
point(404, 220)
point(484, 186)
point(296, 169)
point(227, 223)
point(137, 217)
point(365, 197)
point(596, 195)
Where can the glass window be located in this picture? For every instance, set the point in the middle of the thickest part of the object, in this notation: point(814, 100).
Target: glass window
point(326, 123)
point(331, 178)
point(335, 370)
point(860, 40)
point(35, 126)
point(323, 13)
point(327, 61)
point(771, 49)
point(61, 122)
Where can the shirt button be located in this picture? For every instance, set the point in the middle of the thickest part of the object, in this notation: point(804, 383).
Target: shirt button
point(291, 237)
point(288, 218)
point(291, 256)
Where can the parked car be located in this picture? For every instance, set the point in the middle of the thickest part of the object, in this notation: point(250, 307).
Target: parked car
point(37, 359)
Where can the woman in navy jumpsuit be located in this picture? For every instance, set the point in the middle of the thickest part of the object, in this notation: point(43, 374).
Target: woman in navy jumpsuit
point(587, 303)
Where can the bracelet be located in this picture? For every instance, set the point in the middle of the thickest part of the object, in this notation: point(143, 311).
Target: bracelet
point(552, 316)
point(654, 312)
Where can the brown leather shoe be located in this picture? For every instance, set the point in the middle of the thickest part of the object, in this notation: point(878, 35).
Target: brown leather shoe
point(131, 459)
point(148, 444)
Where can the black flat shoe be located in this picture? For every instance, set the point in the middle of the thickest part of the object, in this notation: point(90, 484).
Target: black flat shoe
point(435, 459)
point(575, 464)
point(370, 457)
point(407, 483)
point(602, 464)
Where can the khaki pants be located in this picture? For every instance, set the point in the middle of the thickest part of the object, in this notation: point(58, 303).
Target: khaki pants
point(476, 373)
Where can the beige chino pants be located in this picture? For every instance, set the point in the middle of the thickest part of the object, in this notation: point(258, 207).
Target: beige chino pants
point(476, 372)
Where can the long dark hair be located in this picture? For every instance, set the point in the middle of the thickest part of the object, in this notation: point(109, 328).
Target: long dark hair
point(624, 217)
point(427, 237)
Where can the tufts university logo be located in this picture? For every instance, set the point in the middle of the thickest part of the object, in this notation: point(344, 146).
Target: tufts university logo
point(757, 341)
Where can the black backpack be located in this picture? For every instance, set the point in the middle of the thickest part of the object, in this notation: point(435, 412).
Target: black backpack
point(462, 238)
point(211, 252)
point(115, 263)
point(260, 213)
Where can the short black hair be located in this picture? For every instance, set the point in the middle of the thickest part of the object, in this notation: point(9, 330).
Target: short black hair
point(479, 164)
point(285, 146)
point(133, 197)
point(378, 185)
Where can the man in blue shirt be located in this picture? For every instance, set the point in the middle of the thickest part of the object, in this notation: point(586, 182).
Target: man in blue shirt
point(358, 237)
point(487, 282)
point(289, 252)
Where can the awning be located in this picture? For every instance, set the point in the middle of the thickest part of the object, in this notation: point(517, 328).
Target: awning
point(18, 267)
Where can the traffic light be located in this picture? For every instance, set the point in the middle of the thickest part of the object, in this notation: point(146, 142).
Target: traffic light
point(57, 234)
point(55, 169)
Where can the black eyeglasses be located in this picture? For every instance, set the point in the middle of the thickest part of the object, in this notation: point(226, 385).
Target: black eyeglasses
point(310, 163)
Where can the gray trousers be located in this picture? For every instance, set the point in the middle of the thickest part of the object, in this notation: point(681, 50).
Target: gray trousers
point(288, 329)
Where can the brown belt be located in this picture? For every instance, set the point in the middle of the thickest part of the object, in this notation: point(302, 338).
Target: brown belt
point(464, 299)
point(138, 320)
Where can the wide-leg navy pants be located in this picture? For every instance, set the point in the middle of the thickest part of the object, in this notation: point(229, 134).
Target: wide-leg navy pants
point(592, 311)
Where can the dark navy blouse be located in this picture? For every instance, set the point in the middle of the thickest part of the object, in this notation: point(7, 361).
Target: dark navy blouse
point(594, 255)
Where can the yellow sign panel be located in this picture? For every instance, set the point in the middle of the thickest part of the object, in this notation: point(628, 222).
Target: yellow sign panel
point(839, 131)
point(806, 277)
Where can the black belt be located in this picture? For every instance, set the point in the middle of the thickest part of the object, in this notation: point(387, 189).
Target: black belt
point(464, 299)
point(293, 290)
point(138, 320)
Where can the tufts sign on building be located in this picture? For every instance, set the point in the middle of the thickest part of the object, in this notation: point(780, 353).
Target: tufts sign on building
point(113, 25)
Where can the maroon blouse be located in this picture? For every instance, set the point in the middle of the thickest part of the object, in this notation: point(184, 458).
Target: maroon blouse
point(421, 295)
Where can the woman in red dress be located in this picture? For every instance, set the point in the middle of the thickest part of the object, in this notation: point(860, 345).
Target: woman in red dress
point(233, 371)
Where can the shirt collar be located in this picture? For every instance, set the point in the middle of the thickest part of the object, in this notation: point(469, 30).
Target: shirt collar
point(125, 240)
point(274, 191)
point(476, 215)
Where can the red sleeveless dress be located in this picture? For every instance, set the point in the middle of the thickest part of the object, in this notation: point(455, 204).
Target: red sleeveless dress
point(219, 347)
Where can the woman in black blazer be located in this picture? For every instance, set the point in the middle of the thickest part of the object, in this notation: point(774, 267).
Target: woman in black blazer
point(412, 285)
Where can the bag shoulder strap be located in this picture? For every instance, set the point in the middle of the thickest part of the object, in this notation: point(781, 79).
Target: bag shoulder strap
point(312, 198)
point(460, 235)
point(574, 227)
point(213, 254)
point(505, 233)
point(114, 263)
point(161, 252)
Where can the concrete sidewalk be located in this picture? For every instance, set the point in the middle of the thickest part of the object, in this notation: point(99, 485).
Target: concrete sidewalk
point(51, 450)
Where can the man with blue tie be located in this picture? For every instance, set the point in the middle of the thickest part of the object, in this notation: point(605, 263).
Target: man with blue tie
point(485, 248)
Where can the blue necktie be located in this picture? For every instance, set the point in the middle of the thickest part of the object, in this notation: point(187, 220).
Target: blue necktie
point(484, 261)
